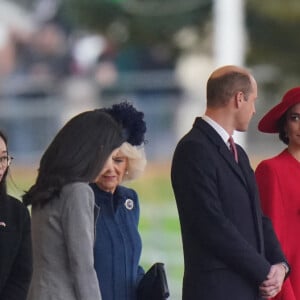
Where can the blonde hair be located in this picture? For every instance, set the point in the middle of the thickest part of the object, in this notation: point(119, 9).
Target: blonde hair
point(136, 160)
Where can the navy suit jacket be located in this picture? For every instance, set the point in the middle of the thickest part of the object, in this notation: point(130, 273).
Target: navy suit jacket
point(229, 246)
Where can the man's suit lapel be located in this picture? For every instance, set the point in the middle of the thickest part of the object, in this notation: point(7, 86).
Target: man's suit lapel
point(215, 138)
point(255, 201)
point(224, 151)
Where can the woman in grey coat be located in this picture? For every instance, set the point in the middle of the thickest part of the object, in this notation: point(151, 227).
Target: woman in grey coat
point(63, 210)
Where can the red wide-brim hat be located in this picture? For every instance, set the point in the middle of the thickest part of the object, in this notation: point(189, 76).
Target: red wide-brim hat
point(269, 122)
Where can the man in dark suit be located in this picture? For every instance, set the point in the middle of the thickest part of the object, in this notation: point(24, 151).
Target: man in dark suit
point(230, 249)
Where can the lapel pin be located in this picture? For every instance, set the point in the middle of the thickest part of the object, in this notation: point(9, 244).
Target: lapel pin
point(129, 204)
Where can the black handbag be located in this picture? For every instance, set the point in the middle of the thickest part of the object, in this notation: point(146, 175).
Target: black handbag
point(154, 285)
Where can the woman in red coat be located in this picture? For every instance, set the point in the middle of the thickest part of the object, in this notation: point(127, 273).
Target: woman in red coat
point(278, 180)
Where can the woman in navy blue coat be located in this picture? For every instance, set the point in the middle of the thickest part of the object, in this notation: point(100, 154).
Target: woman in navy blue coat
point(15, 241)
point(118, 244)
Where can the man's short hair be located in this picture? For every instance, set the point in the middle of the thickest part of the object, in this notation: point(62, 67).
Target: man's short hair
point(220, 89)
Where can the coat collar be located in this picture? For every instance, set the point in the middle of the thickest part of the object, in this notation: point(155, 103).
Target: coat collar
point(216, 139)
point(100, 195)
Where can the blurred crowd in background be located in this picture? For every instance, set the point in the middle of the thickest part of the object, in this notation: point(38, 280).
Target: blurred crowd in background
point(51, 69)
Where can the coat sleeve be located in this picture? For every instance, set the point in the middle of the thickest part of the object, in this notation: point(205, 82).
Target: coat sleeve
point(271, 198)
point(272, 205)
point(78, 228)
point(140, 269)
point(17, 284)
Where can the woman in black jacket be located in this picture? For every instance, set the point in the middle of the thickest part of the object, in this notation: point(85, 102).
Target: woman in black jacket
point(15, 240)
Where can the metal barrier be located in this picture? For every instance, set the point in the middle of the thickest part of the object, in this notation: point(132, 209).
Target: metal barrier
point(31, 122)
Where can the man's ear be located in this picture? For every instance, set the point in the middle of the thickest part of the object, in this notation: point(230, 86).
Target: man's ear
point(239, 98)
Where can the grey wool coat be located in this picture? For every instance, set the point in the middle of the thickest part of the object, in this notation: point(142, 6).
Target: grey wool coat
point(63, 240)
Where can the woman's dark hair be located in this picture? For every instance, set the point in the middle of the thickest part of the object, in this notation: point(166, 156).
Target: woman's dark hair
point(281, 129)
point(77, 153)
point(3, 192)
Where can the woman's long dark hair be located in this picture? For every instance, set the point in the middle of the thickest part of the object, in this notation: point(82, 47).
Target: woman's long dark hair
point(3, 191)
point(77, 153)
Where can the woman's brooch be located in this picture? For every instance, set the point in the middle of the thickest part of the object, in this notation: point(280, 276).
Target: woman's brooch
point(129, 204)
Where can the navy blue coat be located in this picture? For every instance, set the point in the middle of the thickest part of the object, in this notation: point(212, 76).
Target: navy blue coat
point(228, 244)
point(15, 250)
point(118, 244)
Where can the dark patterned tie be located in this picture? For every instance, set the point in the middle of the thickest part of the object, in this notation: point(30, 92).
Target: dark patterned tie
point(233, 148)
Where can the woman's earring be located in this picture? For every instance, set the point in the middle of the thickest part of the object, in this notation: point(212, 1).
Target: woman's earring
point(126, 172)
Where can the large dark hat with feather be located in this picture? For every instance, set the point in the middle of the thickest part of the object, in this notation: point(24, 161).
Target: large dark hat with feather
point(131, 120)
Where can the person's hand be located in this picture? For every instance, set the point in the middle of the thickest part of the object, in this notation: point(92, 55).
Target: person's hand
point(273, 283)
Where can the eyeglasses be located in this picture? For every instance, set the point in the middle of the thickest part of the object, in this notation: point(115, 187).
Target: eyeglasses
point(5, 161)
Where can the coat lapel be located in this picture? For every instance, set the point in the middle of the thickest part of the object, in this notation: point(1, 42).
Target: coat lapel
point(251, 182)
point(225, 152)
point(215, 138)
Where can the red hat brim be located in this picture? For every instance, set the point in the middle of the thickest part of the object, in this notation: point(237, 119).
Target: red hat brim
point(269, 122)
